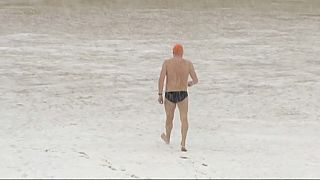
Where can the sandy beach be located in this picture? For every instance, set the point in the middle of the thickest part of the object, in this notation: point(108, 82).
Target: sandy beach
point(78, 86)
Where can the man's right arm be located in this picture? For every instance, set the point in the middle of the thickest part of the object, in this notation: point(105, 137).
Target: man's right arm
point(193, 75)
point(162, 77)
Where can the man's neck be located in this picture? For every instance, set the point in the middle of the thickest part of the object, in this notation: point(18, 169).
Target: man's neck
point(177, 57)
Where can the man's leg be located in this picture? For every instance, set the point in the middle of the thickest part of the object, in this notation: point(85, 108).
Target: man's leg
point(183, 109)
point(169, 107)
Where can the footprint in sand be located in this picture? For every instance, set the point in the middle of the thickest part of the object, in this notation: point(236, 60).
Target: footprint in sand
point(110, 166)
point(203, 164)
point(83, 154)
point(134, 176)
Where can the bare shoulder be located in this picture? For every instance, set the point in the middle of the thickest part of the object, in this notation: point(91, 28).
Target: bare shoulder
point(165, 61)
point(188, 62)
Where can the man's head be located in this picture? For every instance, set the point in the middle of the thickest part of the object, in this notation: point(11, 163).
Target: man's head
point(177, 50)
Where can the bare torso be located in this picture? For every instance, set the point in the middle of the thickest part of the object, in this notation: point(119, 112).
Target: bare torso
point(177, 74)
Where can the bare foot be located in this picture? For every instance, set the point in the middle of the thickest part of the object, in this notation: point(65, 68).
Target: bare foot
point(183, 149)
point(164, 138)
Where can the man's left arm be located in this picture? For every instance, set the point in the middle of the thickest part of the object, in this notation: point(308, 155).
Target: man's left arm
point(193, 76)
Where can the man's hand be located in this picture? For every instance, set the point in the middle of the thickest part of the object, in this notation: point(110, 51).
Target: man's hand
point(190, 83)
point(160, 99)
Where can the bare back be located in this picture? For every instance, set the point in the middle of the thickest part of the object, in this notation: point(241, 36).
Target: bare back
point(177, 74)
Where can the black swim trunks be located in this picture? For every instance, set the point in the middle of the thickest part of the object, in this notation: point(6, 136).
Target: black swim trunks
point(176, 96)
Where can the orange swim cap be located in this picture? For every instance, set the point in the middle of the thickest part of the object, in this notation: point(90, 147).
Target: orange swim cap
point(178, 50)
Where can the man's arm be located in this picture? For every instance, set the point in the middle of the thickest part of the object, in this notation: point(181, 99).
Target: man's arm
point(161, 78)
point(193, 75)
